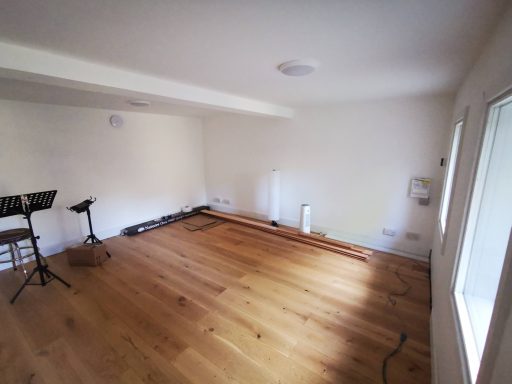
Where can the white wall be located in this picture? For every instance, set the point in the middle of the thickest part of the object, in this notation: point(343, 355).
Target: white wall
point(351, 162)
point(491, 75)
point(151, 166)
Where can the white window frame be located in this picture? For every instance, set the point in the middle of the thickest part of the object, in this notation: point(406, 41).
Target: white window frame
point(502, 304)
point(451, 165)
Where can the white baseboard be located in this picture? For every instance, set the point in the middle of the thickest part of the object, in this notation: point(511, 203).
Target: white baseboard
point(377, 247)
point(362, 241)
point(53, 249)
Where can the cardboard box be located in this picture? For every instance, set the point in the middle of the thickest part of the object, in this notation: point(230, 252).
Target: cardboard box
point(87, 254)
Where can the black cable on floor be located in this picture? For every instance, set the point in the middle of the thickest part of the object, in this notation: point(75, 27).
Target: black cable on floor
point(392, 300)
point(408, 286)
point(403, 338)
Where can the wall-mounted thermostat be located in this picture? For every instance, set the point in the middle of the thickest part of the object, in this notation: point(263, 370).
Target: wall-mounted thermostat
point(420, 187)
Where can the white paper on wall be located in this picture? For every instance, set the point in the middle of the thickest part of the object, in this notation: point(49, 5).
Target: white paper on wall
point(420, 187)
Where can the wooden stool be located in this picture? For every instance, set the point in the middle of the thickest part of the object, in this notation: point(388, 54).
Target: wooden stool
point(11, 238)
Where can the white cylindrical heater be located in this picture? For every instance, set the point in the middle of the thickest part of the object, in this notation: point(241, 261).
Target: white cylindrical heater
point(274, 197)
point(305, 218)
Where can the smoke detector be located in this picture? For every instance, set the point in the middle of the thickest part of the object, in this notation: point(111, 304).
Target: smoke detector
point(300, 67)
point(116, 121)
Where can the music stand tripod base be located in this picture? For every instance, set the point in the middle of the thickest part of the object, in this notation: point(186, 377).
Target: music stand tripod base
point(43, 271)
point(84, 207)
point(26, 205)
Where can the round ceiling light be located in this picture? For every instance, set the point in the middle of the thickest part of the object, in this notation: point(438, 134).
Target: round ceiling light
point(301, 67)
point(139, 103)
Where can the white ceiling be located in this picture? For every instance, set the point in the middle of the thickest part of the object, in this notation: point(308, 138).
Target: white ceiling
point(367, 48)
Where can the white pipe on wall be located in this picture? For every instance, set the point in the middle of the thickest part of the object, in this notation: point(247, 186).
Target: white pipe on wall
point(274, 195)
point(305, 218)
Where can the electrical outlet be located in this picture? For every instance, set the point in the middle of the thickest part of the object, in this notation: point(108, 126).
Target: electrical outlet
point(412, 236)
point(225, 201)
point(216, 200)
point(388, 232)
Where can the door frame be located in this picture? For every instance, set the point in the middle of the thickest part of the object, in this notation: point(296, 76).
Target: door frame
point(502, 304)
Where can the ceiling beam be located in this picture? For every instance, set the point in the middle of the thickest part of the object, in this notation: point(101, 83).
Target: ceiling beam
point(45, 67)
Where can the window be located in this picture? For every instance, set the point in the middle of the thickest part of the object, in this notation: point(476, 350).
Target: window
point(486, 234)
point(450, 173)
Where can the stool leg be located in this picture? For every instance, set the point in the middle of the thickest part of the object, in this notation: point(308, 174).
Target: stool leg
point(20, 259)
point(13, 257)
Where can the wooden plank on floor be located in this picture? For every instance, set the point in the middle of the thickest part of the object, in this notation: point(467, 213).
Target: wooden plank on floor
point(316, 241)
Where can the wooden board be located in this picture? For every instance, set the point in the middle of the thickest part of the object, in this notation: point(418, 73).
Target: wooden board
point(339, 243)
point(327, 240)
point(291, 234)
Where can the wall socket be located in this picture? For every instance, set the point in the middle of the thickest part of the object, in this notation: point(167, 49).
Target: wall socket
point(225, 201)
point(216, 200)
point(412, 236)
point(388, 232)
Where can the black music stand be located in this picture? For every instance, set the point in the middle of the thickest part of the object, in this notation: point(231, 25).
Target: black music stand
point(26, 205)
point(84, 207)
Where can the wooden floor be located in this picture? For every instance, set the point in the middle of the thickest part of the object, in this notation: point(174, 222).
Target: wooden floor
point(227, 305)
